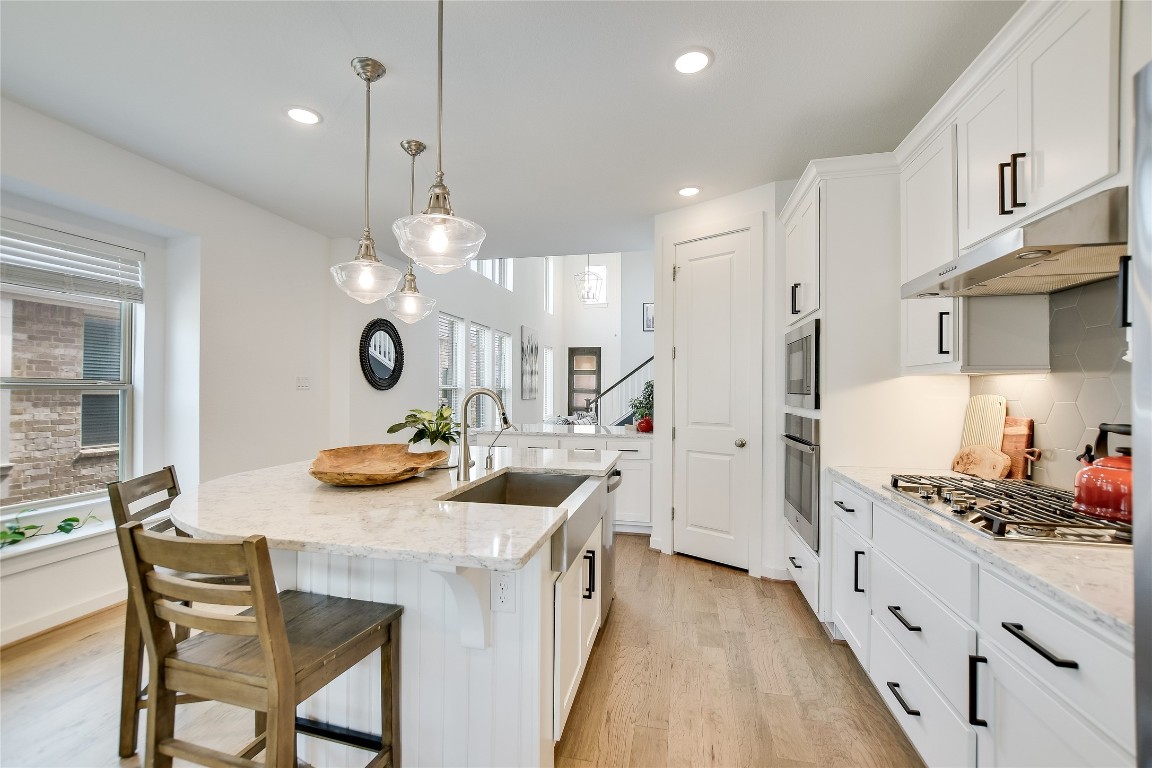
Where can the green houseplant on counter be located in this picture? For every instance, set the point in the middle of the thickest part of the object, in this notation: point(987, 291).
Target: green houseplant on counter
point(433, 426)
point(642, 406)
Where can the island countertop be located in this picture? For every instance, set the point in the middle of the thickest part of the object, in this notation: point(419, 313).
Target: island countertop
point(409, 520)
point(1094, 582)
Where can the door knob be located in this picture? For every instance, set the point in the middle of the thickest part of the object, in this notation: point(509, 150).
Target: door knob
point(741, 443)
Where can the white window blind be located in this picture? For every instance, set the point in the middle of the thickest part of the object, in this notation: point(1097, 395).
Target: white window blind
point(546, 382)
point(479, 349)
point(501, 366)
point(32, 256)
point(452, 362)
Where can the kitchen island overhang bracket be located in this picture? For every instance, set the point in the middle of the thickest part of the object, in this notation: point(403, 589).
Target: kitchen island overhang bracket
point(472, 589)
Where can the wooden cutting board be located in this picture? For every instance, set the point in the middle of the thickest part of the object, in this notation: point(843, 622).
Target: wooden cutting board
point(982, 461)
point(1017, 439)
point(984, 421)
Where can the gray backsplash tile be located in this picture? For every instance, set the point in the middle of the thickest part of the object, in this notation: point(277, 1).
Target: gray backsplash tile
point(1089, 383)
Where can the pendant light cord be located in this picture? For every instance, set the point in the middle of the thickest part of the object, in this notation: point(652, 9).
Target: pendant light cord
point(440, 89)
point(367, 147)
point(411, 199)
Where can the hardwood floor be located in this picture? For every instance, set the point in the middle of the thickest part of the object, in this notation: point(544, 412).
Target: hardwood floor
point(698, 665)
point(701, 665)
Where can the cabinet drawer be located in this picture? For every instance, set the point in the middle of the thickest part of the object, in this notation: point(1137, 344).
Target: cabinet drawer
point(1102, 684)
point(632, 449)
point(537, 442)
point(938, 733)
point(937, 640)
point(930, 562)
point(803, 567)
point(485, 440)
point(582, 444)
point(852, 508)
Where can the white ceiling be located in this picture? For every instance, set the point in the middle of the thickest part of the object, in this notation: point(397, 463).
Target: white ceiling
point(566, 127)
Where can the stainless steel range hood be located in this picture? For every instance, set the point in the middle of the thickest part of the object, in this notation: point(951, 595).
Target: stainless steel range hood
point(1078, 244)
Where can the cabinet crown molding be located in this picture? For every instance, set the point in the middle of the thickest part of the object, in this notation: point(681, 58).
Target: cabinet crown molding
point(838, 168)
point(1003, 48)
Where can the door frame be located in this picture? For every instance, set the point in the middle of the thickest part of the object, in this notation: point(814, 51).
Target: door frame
point(664, 416)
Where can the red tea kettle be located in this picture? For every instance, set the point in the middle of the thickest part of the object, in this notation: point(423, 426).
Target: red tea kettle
point(1104, 484)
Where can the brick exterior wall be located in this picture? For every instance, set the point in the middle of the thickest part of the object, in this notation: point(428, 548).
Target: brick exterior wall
point(44, 434)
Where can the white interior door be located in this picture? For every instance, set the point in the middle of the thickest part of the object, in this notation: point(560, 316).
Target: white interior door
point(715, 353)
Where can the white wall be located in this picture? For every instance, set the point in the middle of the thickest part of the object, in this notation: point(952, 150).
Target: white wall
point(704, 219)
point(589, 325)
point(361, 414)
point(637, 286)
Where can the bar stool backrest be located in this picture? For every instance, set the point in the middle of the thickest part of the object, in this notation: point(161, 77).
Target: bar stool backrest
point(134, 499)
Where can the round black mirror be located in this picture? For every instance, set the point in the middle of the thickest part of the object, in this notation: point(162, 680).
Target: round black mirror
point(381, 354)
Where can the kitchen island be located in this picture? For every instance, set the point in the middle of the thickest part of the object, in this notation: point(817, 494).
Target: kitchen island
point(476, 678)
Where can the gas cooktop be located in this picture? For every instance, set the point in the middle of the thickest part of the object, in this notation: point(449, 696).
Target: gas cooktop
point(1012, 510)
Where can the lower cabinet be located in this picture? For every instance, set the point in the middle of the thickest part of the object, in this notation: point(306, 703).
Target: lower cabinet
point(803, 566)
point(939, 733)
point(634, 499)
point(576, 612)
point(850, 586)
point(1019, 723)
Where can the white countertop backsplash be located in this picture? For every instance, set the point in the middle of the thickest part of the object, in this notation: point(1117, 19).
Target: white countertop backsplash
point(1093, 582)
point(400, 521)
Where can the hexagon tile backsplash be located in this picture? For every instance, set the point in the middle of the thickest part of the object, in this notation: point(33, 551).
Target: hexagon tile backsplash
point(1089, 384)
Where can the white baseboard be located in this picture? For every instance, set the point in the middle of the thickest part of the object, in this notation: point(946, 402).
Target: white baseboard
point(634, 528)
point(63, 616)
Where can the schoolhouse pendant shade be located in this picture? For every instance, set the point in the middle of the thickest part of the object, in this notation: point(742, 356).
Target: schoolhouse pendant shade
point(406, 302)
point(437, 239)
point(366, 278)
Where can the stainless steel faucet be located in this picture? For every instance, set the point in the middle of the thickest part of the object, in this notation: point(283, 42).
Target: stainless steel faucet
point(465, 454)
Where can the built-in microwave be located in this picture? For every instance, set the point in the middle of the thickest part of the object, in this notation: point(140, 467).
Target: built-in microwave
point(802, 366)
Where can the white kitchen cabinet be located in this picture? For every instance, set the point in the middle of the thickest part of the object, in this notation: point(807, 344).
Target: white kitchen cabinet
point(576, 613)
point(634, 496)
point(850, 584)
point(928, 207)
point(803, 566)
point(535, 441)
point(981, 334)
point(1019, 723)
point(1044, 126)
point(802, 258)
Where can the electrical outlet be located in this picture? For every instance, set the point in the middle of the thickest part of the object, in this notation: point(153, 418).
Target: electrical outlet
point(503, 592)
point(303, 382)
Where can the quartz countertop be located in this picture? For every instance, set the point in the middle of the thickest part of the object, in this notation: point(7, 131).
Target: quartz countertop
point(567, 430)
point(409, 520)
point(1093, 582)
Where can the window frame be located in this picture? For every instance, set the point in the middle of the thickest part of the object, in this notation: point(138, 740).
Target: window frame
point(459, 326)
point(548, 374)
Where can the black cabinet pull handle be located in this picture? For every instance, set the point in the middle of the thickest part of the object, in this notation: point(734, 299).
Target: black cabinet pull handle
point(590, 556)
point(940, 333)
point(895, 688)
point(1125, 278)
point(1001, 167)
point(1014, 158)
point(1017, 631)
point(794, 563)
point(856, 571)
point(841, 505)
point(795, 290)
point(895, 609)
point(973, 660)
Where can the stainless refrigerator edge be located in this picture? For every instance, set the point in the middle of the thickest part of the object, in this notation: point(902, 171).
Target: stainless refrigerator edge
point(1140, 305)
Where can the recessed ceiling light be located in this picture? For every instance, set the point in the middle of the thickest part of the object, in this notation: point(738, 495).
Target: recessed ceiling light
point(693, 60)
point(689, 191)
point(302, 115)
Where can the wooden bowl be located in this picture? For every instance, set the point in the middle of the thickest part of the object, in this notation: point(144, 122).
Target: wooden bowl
point(372, 464)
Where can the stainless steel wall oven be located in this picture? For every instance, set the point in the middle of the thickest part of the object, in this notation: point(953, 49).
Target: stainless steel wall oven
point(801, 440)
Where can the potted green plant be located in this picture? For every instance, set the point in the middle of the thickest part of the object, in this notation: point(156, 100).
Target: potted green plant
point(642, 406)
point(432, 426)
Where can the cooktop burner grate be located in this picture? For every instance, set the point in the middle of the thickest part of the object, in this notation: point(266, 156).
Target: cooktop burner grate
point(1012, 509)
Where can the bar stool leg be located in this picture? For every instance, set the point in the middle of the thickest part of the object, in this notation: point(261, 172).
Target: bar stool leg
point(133, 672)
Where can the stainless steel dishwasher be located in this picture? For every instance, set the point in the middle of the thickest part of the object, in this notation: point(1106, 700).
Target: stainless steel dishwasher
point(608, 548)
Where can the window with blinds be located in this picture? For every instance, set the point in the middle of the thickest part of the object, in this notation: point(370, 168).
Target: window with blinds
point(452, 362)
point(501, 369)
point(480, 374)
point(546, 378)
point(67, 301)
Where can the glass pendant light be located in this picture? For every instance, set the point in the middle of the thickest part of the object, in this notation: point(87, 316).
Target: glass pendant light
point(589, 285)
point(366, 278)
point(436, 239)
point(407, 303)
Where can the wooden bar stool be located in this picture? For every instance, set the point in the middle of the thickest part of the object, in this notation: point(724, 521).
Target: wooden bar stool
point(269, 658)
point(132, 500)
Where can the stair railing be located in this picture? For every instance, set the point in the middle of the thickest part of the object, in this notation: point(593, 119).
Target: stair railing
point(612, 403)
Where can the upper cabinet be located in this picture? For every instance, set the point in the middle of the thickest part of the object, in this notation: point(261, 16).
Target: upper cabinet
point(928, 207)
point(1044, 126)
point(802, 257)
